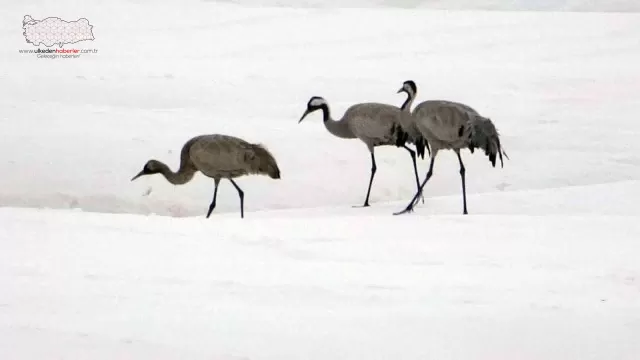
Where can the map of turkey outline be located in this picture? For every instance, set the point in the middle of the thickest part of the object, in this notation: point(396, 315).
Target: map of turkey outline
point(56, 31)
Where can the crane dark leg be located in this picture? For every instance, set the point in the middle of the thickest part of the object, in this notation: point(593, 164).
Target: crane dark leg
point(414, 201)
point(215, 195)
point(373, 172)
point(415, 168)
point(241, 193)
point(464, 186)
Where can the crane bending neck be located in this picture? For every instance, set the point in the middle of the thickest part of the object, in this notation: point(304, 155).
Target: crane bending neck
point(338, 128)
point(406, 106)
point(182, 176)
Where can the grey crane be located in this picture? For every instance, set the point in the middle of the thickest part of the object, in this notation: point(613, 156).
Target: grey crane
point(219, 157)
point(374, 124)
point(455, 126)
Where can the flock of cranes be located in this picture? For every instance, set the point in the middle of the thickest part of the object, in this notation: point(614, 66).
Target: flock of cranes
point(432, 125)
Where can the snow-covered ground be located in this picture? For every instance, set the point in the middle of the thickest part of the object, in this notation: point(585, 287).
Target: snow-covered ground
point(545, 267)
point(353, 285)
point(500, 5)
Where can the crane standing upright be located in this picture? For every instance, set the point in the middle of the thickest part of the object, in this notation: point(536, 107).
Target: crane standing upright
point(455, 126)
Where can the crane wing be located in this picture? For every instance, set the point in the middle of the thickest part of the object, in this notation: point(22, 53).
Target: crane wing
point(218, 155)
point(447, 123)
point(373, 122)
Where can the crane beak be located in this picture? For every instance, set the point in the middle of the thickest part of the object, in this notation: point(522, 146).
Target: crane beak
point(306, 112)
point(137, 176)
point(401, 90)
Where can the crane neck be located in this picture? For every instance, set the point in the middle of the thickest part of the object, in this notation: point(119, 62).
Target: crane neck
point(338, 128)
point(182, 176)
point(406, 106)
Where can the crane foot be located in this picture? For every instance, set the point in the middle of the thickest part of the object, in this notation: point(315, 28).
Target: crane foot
point(407, 210)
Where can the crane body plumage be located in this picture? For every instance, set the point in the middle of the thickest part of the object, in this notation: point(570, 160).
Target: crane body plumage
point(219, 157)
point(448, 125)
point(374, 124)
point(453, 126)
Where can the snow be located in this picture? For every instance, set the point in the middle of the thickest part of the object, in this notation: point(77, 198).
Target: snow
point(499, 5)
point(94, 266)
point(318, 286)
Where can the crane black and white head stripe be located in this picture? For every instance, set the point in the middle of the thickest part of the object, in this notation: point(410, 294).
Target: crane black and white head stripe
point(409, 87)
point(315, 103)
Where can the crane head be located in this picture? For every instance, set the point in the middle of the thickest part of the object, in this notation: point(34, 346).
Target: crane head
point(151, 167)
point(315, 103)
point(409, 87)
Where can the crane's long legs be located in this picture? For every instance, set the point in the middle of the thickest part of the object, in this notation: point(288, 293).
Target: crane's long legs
point(373, 172)
point(241, 193)
point(215, 195)
point(464, 187)
point(415, 168)
point(414, 201)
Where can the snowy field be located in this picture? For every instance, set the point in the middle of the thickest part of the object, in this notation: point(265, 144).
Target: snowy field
point(94, 266)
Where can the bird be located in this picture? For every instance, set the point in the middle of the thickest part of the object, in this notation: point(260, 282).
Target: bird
point(454, 126)
point(219, 157)
point(375, 124)
point(410, 88)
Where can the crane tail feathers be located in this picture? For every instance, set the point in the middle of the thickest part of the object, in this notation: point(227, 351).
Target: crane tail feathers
point(261, 161)
point(400, 135)
point(485, 136)
point(420, 146)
